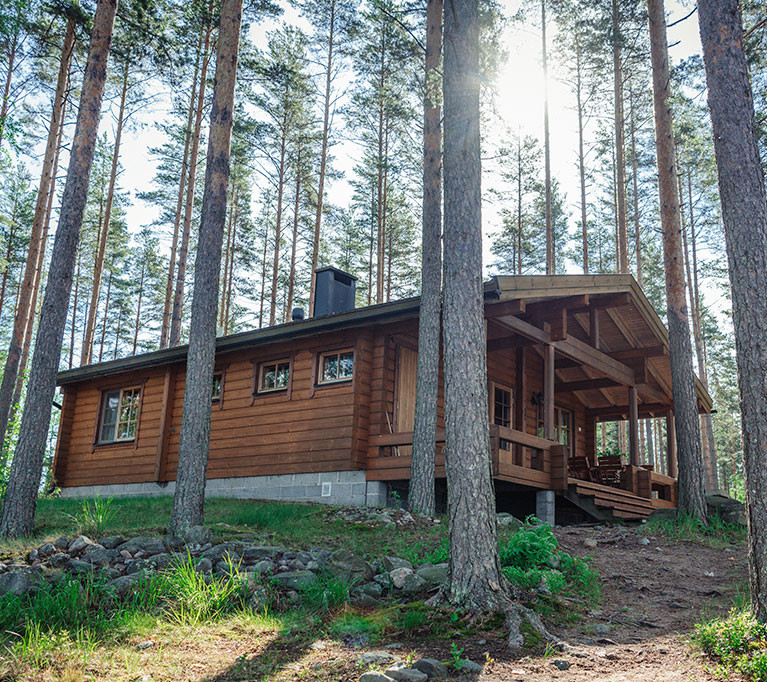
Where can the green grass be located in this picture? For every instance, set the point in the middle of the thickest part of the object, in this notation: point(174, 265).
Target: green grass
point(688, 528)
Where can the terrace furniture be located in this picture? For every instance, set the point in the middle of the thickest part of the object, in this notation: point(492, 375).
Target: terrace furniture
point(580, 467)
point(610, 468)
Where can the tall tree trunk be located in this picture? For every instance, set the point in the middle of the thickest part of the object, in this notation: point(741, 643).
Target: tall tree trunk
point(195, 424)
point(9, 251)
point(106, 317)
point(27, 286)
point(744, 213)
point(26, 469)
point(323, 155)
point(278, 223)
point(635, 185)
point(620, 147)
point(519, 204)
point(380, 206)
point(90, 325)
point(230, 279)
point(551, 267)
point(691, 494)
point(475, 574)
point(177, 312)
point(373, 213)
point(137, 324)
point(263, 277)
point(581, 153)
point(7, 87)
point(73, 329)
point(225, 279)
point(421, 496)
point(118, 331)
point(169, 283)
point(294, 243)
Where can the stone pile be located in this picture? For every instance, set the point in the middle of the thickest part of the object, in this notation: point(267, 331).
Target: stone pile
point(123, 561)
point(400, 671)
point(390, 518)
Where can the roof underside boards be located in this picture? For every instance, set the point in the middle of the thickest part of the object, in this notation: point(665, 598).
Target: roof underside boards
point(633, 324)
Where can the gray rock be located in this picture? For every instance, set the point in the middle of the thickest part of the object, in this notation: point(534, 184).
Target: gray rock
point(414, 583)
point(295, 579)
point(138, 566)
point(436, 575)
point(643, 541)
point(46, 550)
point(729, 510)
point(289, 556)
point(360, 598)
point(471, 667)
point(304, 557)
point(374, 676)
point(383, 580)
point(80, 543)
point(432, 668)
point(320, 555)
point(403, 673)
point(375, 658)
point(174, 543)
point(561, 663)
point(602, 628)
point(260, 599)
point(313, 566)
point(32, 556)
point(232, 550)
point(99, 556)
point(78, 567)
point(373, 589)
point(204, 565)
point(264, 567)
point(345, 565)
point(398, 576)
point(18, 582)
point(161, 561)
point(591, 543)
point(391, 562)
point(59, 559)
point(198, 535)
point(123, 584)
point(112, 542)
point(61, 543)
point(148, 546)
point(506, 520)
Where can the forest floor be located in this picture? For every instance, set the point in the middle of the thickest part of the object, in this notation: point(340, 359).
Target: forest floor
point(654, 589)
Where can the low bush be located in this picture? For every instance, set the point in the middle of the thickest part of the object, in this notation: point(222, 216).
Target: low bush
point(531, 558)
point(325, 594)
point(737, 643)
point(685, 527)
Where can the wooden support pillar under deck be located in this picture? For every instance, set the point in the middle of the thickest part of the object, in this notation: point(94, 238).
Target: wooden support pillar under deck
point(590, 438)
point(548, 392)
point(673, 469)
point(633, 426)
point(520, 404)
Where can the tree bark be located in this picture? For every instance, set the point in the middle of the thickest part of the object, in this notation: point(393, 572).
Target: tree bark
point(550, 257)
point(90, 325)
point(421, 497)
point(476, 582)
point(744, 213)
point(137, 324)
point(105, 318)
point(169, 284)
point(225, 279)
point(294, 244)
point(581, 153)
point(690, 461)
point(7, 87)
point(27, 288)
point(278, 222)
point(620, 145)
point(195, 424)
point(177, 312)
point(26, 469)
point(323, 157)
point(635, 186)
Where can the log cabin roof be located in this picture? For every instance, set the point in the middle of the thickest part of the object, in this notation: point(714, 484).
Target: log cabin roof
point(630, 330)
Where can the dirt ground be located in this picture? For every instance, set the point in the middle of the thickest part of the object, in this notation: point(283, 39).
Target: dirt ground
point(652, 595)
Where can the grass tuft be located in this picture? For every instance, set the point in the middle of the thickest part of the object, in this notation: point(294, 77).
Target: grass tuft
point(738, 643)
point(685, 527)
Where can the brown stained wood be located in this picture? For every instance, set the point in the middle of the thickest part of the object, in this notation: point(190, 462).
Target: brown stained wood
point(649, 352)
point(591, 357)
point(166, 416)
point(60, 457)
point(633, 426)
point(584, 384)
point(594, 327)
point(515, 307)
point(548, 392)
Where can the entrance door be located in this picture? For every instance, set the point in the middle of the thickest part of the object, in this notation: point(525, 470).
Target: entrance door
point(407, 364)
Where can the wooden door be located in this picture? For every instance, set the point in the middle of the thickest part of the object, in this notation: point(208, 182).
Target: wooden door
point(404, 417)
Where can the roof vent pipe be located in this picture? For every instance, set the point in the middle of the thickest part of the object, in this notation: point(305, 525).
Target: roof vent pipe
point(334, 291)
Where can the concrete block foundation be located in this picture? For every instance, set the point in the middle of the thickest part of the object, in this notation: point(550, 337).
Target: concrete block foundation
point(545, 505)
point(347, 488)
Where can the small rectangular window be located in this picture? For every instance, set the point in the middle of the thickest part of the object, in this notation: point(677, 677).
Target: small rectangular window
point(218, 382)
point(502, 411)
point(119, 415)
point(274, 376)
point(336, 366)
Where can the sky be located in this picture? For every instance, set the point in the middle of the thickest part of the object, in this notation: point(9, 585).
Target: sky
point(520, 97)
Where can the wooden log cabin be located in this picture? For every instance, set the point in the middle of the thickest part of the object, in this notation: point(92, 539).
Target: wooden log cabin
point(321, 409)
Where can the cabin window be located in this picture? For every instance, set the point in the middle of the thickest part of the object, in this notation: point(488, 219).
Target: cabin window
point(218, 385)
point(119, 414)
point(274, 376)
point(564, 424)
point(336, 366)
point(502, 405)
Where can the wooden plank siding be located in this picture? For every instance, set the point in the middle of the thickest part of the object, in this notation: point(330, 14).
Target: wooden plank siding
point(310, 428)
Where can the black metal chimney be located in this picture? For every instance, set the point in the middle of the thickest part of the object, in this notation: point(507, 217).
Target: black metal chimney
point(334, 291)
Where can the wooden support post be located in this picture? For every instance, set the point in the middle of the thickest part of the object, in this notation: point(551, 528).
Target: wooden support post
point(594, 327)
point(166, 418)
point(673, 470)
point(548, 392)
point(590, 438)
point(644, 483)
point(520, 404)
point(633, 426)
point(558, 467)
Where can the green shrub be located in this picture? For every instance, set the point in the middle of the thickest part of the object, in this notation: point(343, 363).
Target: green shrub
point(531, 546)
point(94, 516)
point(737, 643)
point(325, 594)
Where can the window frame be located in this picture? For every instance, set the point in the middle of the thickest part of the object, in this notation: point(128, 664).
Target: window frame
point(218, 400)
point(120, 390)
point(259, 377)
point(495, 385)
point(319, 381)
